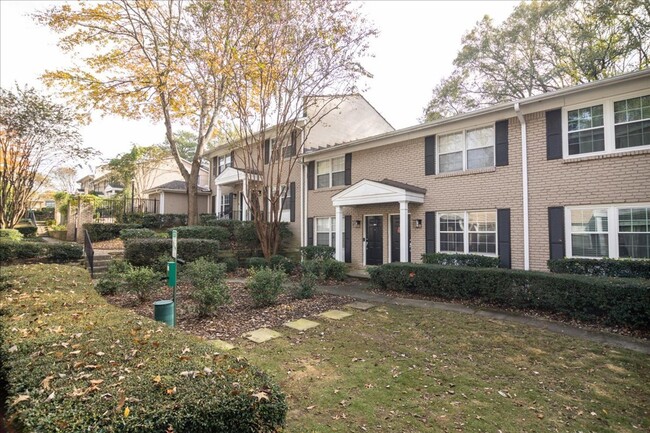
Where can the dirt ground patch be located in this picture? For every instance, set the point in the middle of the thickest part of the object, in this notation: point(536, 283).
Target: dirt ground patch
point(237, 317)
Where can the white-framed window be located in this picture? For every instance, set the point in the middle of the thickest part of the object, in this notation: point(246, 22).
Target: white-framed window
point(330, 172)
point(607, 126)
point(226, 205)
point(468, 232)
point(326, 231)
point(615, 231)
point(466, 150)
point(285, 215)
point(223, 163)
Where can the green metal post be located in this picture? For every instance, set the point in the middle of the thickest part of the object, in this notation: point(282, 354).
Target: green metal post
point(171, 282)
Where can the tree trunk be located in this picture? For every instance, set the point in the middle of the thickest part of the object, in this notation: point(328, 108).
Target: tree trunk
point(192, 198)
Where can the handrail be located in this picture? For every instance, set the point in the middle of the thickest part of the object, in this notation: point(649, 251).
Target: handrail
point(32, 217)
point(90, 253)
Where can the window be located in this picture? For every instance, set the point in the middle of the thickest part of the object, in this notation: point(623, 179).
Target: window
point(330, 172)
point(609, 231)
point(632, 122)
point(615, 124)
point(326, 231)
point(223, 163)
point(472, 232)
point(285, 215)
point(466, 150)
point(226, 205)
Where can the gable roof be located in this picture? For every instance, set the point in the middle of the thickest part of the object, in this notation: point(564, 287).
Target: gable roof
point(175, 186)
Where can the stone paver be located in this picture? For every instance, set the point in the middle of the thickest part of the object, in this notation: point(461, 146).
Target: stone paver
point(261, 335)
point(363, 306)
point(222, 345)
point(335, 314)
point(301, 324)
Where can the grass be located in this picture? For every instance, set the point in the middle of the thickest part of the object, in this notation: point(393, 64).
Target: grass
point(399, 369)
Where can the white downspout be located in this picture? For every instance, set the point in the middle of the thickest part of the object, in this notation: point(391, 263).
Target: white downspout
point(524, 181)
point(303, 204)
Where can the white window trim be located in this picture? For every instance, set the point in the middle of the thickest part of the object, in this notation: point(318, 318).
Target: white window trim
point(608, 125)
point(466, 232)
point(464, 131)
point(330, 172)
point(225, 165)
point(612, 221)
point(331, 232)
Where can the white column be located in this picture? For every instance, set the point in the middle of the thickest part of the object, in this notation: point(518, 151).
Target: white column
point(339, 235)
point(244, 205)
point(162, 202)
point(217, 201)
point(403, 231)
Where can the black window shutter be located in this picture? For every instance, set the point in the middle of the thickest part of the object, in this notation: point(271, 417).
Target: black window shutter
point(556, 232)
point(430, 155)
point(311, 172)
point(501, 143)
point(229, 207)
point(554, 134)
point(232, 158)
point(292, 202)
point(294, 141)
point(215, 166)
point(430, 232)
point(267, 150)
point(348, 239)
point(348, 169)
point(503, 226)
point(310, 231)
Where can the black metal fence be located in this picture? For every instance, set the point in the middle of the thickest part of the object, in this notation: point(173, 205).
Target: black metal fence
point(108, 210)
point(90, 253)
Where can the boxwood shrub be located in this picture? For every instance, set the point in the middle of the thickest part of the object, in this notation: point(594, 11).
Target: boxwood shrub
point(613, 301)
point(204, 232)
point(107, 231)
point(155, 221)
point(317, 252)
point(64, 252)
point(58, 252)
point(602, 267)
point(145, 252)
point(472, 260)
point(127, 234)
point(11, 234)
point(84, 365)
point(27, 231)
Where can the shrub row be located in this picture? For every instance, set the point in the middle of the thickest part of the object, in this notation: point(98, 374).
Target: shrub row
point(59, 252)
point(128, 234)
point(145, 252)
point(77, 364)
point(44, 214)
point(617, 302)
point(328, 269)
point(602, 267)
point(220, 234)
point(317, 252)
point(472, 260)
point(105, 232)
point(275, 262)
point(155, 221)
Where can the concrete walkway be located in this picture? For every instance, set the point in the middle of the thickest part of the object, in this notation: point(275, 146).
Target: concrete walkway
point(360, 291)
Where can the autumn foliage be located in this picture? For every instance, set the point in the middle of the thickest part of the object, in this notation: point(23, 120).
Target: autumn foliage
point(75, 363)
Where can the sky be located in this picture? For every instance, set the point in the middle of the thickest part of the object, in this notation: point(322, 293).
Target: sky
point(417, 44)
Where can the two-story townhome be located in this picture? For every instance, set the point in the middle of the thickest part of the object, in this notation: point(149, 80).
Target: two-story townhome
point(566, 173)
point(340, 119)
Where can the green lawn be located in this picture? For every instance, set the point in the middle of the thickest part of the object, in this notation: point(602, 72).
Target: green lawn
point(398, 369)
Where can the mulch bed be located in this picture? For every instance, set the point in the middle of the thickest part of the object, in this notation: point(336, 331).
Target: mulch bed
point(113, 244)
point(237, 317)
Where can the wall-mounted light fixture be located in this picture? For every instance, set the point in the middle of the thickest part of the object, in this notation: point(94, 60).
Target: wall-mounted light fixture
point(418, 224)
point(357, 224)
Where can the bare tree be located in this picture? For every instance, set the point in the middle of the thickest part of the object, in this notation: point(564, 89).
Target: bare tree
point(294, 54)
point(36, 134)
point(65, 179)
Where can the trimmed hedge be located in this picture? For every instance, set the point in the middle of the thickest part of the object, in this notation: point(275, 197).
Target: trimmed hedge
point(317, 252)
point(127, 234)
point(471, 260)
point(57, 252)
point(602, 267)
point(84, 365)
point(11, 234)
point(28, 231)
point(107, 231)
point(203, 232)
point(155, 221)
point(145, 252)
point(612, 301)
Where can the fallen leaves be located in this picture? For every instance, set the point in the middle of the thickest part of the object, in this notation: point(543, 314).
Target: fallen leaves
point(20, 398)
point(261, 396)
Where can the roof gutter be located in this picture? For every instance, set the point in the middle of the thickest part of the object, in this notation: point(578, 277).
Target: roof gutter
point(524, 181)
